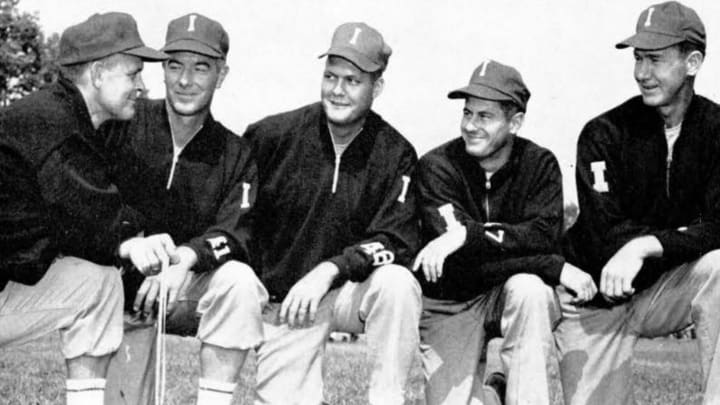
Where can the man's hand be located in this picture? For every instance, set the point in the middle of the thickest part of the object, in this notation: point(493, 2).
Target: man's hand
point(148, 254)
point(620, 271)
point(301, 303)
point(432, 257)
point(174, 277)
point(578, 282)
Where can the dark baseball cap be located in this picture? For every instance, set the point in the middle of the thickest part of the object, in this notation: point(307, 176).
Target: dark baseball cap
point(103, 35)
point(492, 80)
point(197, 33)
point(362, 45)
point(666, 24)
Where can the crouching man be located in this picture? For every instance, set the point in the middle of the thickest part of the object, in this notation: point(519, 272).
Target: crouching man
point(62, 220)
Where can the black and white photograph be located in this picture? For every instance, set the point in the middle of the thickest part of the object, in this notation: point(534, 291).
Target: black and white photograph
point(312, 202)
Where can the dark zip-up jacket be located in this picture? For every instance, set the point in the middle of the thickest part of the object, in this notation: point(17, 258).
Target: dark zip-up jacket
point(513, 219)
point(359, 216)
point(208, 204)
point(56, 194)
point(628, 187)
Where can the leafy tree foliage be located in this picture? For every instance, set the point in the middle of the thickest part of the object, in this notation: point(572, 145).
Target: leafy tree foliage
point(26, 55)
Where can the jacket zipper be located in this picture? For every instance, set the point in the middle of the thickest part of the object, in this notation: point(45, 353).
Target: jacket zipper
point(487, 200)
point(176, 153)
point(668, 164)
point(338, 155)
point(172, 170)
point(336, 173)
point(670, 142)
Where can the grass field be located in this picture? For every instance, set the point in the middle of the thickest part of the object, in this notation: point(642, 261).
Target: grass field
point(666, 372)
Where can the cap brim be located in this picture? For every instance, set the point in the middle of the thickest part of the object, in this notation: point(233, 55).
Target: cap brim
point(649, 40)
point(189, 45)
point(146, 53)
point(479, 91)
point(355, 57)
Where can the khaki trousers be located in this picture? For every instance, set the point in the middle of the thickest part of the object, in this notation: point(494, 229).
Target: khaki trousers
point(596, 344)
point(289, 371)
point(80, 299)
point(454, 334)
point(221, 307)
point(386, 307)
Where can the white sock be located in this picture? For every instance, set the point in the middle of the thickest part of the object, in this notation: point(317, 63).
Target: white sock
point(212, 392)
point(86, 391)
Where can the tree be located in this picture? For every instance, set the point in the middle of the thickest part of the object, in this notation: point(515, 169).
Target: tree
point(26, 56)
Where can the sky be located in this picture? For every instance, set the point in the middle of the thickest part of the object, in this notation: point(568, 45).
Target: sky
point(564, 50)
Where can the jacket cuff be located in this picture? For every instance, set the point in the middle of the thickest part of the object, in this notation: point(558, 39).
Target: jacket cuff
point(475, 234)
point(204, 259)
point(671, 250)
point(353, 265)
point(550, 268)
point(211, 252)
point(129, 225)
point(342, 264)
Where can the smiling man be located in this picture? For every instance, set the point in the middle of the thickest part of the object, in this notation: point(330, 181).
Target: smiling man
point(648, 181)
point(195, 181)
point(335, 229)
point(492, 211)
point(62, 220)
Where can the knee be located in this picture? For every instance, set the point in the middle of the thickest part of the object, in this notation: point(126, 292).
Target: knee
point(95, 293)
point(710, 263)
point(397, 281)
point(93, 280)
point(234, 273)
point(706, 270)
point(527, 288)
point(236, 276)
point(90, 274)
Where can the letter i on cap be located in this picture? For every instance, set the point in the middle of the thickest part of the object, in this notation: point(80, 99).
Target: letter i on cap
point(362, 45)
point(199, 34)
point(663, 25)
point(492, 80)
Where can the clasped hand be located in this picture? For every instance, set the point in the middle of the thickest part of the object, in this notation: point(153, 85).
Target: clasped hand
point(432, 257)
point(618, 274)
point(301, 303)
point(149, 254)
point(579, 283)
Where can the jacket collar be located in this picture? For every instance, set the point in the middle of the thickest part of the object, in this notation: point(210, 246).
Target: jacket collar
point(68, 92)
point(205, 145)
point(652, 122)
point(361, 147)
point(471, 166)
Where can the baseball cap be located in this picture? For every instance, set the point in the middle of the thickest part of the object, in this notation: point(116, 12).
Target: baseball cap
point(102, 35)
point(197, 33)
point(492, 80)
point(362, 45)
point(666, 24)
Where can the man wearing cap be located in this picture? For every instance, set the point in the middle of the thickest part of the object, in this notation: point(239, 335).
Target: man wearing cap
point(492, 213)
point(194, 180)
point(335, 229)
point(648, 181)
point(62, 220)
